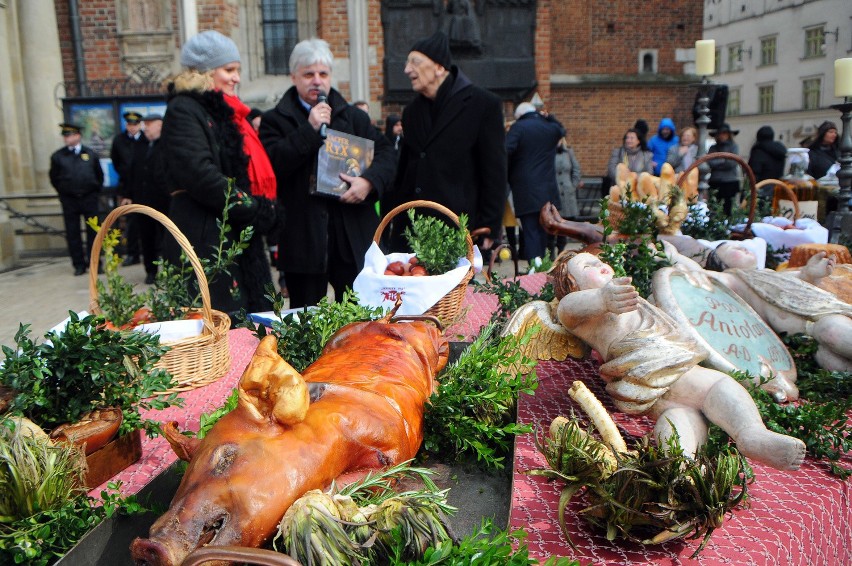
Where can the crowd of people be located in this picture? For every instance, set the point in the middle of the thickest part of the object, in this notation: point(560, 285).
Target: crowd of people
point(450, 145)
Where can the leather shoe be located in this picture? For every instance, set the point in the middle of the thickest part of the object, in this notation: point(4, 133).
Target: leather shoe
point(79, 270)
point(130, 260)
point(150, 278)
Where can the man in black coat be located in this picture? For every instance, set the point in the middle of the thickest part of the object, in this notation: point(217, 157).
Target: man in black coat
point(324, 239)
point(531, 149)
point(454, 149)
point(128, 148)
point(76, 174)
point(150, 189)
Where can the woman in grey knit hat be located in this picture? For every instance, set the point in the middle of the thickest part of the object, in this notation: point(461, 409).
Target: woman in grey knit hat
point(208, 151)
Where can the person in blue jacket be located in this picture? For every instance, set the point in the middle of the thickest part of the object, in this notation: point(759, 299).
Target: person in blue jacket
point(662, 141)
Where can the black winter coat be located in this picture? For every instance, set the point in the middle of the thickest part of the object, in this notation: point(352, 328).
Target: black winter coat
point(152, 187)
point(531, 150)
point(767, 160)
point(126, 154)
point(76, 175)
point(459, 160)
point(292, 145)
point(203, 148)
point(820, 160)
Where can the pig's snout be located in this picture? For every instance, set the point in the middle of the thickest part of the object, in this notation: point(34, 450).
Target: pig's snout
point(147, 552)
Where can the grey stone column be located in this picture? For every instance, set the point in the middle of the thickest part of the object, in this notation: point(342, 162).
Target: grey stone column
point(359, 67)
point(41, 61)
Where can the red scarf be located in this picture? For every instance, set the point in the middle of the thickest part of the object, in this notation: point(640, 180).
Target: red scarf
point(260, 172)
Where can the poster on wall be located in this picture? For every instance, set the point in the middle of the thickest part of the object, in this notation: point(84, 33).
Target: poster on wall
point(98, 123)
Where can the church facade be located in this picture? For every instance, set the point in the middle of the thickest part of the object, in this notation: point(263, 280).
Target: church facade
point(598, 66)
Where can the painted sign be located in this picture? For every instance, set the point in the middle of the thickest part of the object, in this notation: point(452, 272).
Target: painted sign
point(733, 333)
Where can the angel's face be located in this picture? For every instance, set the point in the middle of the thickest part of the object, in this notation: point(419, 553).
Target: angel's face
point(589, 272)
point(736, 256)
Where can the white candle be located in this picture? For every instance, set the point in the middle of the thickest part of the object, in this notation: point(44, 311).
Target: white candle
point(843, 77)
point(705, 57)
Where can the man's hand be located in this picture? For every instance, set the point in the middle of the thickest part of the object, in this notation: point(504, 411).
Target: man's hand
point(619, 296)
point(358, 190)
point(125, 200)
point(319, 115)
point(819, 265)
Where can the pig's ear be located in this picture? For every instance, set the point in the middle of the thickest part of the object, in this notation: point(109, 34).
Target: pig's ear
point(271, 389)
point(184, 446)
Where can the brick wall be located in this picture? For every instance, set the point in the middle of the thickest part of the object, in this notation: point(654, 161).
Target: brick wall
point(573, 37)
point(596, 118)
point(100, 39)
point(221, 15)
point(604, 36)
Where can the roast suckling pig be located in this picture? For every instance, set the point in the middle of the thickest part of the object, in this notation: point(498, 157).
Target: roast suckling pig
point(367, 393)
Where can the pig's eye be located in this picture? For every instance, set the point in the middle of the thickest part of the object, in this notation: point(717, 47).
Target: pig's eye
point(223, 457)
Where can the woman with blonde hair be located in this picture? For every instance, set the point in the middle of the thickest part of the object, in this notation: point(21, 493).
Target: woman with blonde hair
point(210, 149)
point(681, 156)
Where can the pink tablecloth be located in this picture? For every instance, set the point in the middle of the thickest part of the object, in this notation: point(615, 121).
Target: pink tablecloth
point(157, 455)
point(801, 517)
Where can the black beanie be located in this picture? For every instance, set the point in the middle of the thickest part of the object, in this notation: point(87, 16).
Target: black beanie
point(436, 47)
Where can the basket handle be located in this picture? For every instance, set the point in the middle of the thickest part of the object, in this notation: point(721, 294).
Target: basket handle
point(239, 554)
point(119, 211)
point(752, 181)
point(787, 193)
point(424, 204)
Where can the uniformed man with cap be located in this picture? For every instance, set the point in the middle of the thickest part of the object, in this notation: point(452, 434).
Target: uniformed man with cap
point(76, 174)
point(129, 147)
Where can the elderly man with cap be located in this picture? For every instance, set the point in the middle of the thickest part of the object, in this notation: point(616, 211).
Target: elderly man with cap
point(128, 147)
point(76, 174)
point(324, 239)
point(531, 148)
point(454, 149)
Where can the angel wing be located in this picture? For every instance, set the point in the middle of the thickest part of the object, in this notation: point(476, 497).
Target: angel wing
point(552, 342)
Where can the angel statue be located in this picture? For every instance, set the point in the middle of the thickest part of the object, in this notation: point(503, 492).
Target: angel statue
point(651, 368)
point(790, 301)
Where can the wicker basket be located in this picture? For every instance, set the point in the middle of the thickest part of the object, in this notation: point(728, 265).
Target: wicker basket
point(195, 361)
point(448, 307)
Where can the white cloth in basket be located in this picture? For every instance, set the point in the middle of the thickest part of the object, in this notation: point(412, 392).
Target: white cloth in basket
point(419, 294)
point(807, 231)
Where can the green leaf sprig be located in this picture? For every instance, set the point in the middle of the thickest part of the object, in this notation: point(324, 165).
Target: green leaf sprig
point(84, 368)
point(639, 256)
point(472, 413)
point(302, 336)
point(437, 245)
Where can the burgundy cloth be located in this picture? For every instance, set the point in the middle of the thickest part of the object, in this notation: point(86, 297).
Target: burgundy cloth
point(260, 171)
point(802, 517)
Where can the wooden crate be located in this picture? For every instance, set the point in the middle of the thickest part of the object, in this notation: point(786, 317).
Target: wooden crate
point(112, 458)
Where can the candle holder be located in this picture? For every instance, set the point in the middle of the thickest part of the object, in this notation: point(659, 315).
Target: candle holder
point(705, 89)
point(843, 217)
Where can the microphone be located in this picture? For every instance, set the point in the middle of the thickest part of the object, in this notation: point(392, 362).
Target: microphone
point(322, 97)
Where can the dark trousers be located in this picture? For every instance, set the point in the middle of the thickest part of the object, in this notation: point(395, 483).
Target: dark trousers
point(535, 238)
point(150, 239)
point(307, 289)
point(132, 234)
point(72, 209)
point(725, 191)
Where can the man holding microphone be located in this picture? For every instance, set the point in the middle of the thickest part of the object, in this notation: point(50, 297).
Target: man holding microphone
point(323, 239)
